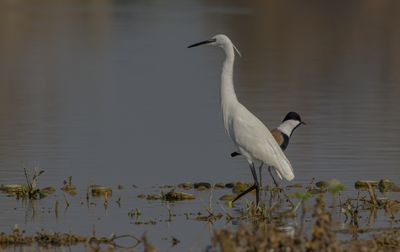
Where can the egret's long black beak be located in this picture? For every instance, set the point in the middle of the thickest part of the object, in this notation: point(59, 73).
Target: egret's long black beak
point(202, 43)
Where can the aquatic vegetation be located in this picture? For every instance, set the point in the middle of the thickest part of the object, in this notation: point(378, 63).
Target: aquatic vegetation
point(29, 190)
point(49, 240)
point(153, 196)
point(302, 197)
point(168, 196)
point(219, 185)
point(335, 186)
point(201, 186)
point(227, 197)
point(297, 185)
point(174, 196)
point(239, 187)
point(386, 185)
point(134, 213)
point(267, 234)
point(186, 186)
point(98, 190)
point(363, 184)
point(211, 217)
point(291, 218)
point(256, 213)
point(68, 186)
point(229, 185)
point(322, 184)
point(148, 247)
point(174, 241)
point(11, 189)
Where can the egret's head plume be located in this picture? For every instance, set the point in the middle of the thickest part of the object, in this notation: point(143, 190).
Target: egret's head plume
point(222, 40)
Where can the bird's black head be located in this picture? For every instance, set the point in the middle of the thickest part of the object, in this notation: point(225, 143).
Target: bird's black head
point(291, 122)
point(292, 116)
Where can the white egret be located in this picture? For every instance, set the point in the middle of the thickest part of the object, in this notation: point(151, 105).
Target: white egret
point(251, 137)
point(282, 135)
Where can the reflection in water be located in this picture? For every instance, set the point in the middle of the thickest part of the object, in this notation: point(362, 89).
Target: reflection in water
point(42, 42)
point(106, 91)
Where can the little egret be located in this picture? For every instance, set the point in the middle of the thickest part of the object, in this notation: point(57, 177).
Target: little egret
point(282, 135)
point(250, 136)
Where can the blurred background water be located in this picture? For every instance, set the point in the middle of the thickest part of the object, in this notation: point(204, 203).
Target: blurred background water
point(107, 92)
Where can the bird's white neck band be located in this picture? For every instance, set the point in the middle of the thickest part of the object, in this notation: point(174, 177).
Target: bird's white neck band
point(288, 126)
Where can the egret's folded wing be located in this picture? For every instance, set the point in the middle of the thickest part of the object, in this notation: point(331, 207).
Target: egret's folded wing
point(254, 137)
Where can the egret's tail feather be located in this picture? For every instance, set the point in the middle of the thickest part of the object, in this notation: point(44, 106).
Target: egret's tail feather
point(285, 170)
point(279, 175)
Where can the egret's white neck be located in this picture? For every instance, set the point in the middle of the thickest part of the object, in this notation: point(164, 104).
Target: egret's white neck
point(228, 95)
point(288, 126)
point(227, 88)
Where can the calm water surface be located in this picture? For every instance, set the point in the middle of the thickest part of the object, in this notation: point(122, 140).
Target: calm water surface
point(108, 93)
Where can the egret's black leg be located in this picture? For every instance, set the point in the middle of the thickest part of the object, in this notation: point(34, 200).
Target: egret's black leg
point(253, 171)
point(273, 178)
point(251, 188)
point(260, 171)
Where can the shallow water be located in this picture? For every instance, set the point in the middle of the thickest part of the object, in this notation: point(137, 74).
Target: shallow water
point(108, 93)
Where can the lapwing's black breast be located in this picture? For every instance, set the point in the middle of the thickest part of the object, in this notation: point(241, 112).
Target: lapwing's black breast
point(285, 143)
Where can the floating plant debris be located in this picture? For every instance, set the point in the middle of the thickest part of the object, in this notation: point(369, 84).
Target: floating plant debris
point(48, 190)
point(272, 188)
point(174, 196)
point(386, 185)
point(297, 185)
point(134, 213)
point(186, 186)
point(167, 186)
point(260, 228)
point(98, 190)
point(227, 197)
point(363, 184)
point(68, 186)
point(12, 189)
point(29, 190)
point(219, 185)
point(174, 241)
point(322, 184)
point(169, 196)
point(48, 240)
point(239, 187)
point(272, 235)
point(201, 186)
point(211, 217)
point(153, 197)
point(229, 185)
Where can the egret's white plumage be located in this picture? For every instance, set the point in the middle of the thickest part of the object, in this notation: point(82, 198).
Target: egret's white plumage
point(251, 137)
